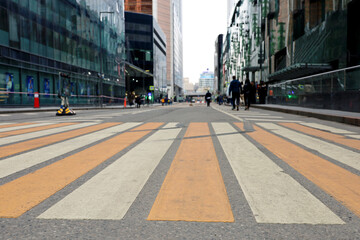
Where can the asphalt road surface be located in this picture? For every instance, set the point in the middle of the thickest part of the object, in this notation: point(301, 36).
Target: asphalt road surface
point(178, 172)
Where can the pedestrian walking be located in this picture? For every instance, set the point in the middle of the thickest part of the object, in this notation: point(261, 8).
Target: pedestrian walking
point(235, 89)
point(138, 101)
point(247, 93)
point(208, 98)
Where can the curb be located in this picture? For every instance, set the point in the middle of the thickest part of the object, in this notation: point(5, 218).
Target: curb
point(334, 118)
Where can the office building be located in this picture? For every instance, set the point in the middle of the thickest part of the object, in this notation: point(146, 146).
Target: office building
point(146, 55)
point(206, 81)
point(168, 14)
point(84, 40)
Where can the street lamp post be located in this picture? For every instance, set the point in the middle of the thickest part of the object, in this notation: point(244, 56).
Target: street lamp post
point(101, 62)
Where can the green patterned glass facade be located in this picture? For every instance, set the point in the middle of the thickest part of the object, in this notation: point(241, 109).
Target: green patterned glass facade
point(39, 39)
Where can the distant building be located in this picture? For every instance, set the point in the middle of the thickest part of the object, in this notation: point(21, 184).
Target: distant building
point(219, 84)
point(146, 49)
point(206, 81)
point(188, 86)
point(168, 13)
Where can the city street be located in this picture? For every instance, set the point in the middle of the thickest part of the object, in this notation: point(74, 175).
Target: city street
point(178, 172)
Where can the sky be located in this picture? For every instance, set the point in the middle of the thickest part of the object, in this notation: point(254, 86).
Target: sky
point(203, 21)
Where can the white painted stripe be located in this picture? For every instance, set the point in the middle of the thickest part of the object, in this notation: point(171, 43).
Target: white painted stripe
point(27, 136)
point(109, 194)
point(5, 123)
point(24, 126)
point(257, 116)
point(273, 196)
point(354, 136)
point(326, 128)
point(30, 113)
point(333, 151)
point(237, 118)
point(271, 120)
point(20, 162)
point(170, 125)
point(5, 115)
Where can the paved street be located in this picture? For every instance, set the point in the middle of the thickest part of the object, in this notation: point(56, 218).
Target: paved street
point(178, 172)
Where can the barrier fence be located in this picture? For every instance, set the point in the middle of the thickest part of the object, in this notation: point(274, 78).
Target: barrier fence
point(337, 90)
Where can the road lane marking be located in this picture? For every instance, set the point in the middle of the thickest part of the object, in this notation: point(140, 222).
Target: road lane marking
point(336, 181)
point(20, 162)
point(193, 189)
point(270, 120)
point(24, 193)
point(353, 143)
point(11, 125)
point(333, 151)
point(326, 128)
point(273, 196)
point(110, 193)
point(25, 126)
point(354, 136)
point(33, 129)
point(231, 115)
point(85, 128)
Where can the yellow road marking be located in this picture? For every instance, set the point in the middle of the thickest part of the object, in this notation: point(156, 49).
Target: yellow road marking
point(353, 143)
point(43, 141)
point(34, 129)
point(15, 125)
point(240, 125)
point(193, 189)
point(336, 181)
point(22, 194)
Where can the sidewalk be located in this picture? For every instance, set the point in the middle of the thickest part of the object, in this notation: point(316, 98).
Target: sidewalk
point(7, 110)
point(351, 118)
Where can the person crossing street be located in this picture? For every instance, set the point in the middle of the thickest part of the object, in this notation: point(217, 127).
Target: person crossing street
point(208, 98)
point(235, 89)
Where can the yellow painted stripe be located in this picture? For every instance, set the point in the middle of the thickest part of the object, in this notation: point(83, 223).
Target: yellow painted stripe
point(240, 125)
point(43, 141)
point(353, 143)
point(22, 194)
point(34, 129)
point(336, 181)
point(193, 189)
point(15, 125)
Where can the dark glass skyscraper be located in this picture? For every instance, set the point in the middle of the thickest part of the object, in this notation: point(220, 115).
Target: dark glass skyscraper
point(84, 39)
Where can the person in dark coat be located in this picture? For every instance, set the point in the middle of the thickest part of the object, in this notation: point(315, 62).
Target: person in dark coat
point(208, 98)
point(235, 89)
point(247, 93)
point(138, 101)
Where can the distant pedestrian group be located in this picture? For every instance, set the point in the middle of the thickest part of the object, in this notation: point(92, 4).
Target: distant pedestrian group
point(239, 92)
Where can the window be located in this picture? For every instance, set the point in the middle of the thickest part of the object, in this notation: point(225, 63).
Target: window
point(317, 12)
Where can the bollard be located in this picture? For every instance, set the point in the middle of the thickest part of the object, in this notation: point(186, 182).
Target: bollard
point(36, 100)
point(124, 102)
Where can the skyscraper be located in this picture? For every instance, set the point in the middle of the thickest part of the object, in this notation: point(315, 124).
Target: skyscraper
point(168, 13)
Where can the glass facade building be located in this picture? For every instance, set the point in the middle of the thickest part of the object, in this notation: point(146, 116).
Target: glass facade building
point(168, 13)
point(146, 49)
point(39, 39)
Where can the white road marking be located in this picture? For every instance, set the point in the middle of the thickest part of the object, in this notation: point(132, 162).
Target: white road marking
point(25, 126)
point(20, 162)
point(333, 151)
point(274, 196)
point(271, 120)
point(326, 128)
point(110, 193)
point(27, 136)
point(231, 115)
point(354, 136)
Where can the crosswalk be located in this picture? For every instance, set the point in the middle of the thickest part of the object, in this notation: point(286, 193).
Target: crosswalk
point(193, 189)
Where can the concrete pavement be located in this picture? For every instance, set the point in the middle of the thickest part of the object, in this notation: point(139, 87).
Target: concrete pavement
point(352, 118)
